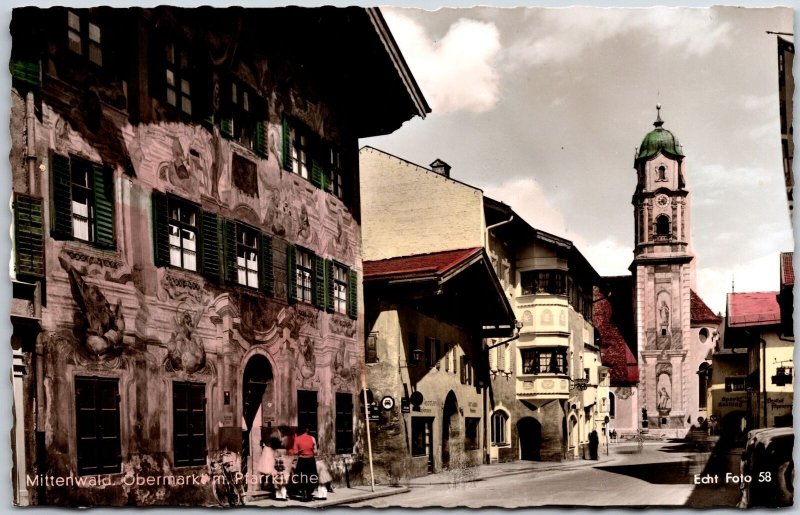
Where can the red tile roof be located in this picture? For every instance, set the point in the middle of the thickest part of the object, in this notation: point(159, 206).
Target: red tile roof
point(614, 349)
point(787, 269)
point(752, 309)
point(420, 265)
point(701, 313)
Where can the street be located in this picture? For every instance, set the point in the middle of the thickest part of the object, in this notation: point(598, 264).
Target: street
point(662, 474)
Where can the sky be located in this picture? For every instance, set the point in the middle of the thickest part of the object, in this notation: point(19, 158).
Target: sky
point(543, 110)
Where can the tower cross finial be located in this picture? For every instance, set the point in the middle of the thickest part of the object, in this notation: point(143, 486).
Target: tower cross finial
point(658, 122)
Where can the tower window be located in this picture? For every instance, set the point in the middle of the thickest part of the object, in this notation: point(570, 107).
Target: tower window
point(662, 226)
point(662, 173)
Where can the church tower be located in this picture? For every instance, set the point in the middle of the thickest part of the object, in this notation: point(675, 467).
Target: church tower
point(663, 273)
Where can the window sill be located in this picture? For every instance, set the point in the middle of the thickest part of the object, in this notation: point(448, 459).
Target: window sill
point(501, 445)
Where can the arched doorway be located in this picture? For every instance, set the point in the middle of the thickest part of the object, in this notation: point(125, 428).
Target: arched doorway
point(256, 385)
point(574, 435)
point(529, 431)
point(449, 426)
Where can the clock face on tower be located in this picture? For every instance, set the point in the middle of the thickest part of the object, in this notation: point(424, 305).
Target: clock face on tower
point(662, 200)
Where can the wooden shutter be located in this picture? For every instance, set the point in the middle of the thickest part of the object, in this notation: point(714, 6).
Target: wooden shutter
point(229, 266)
point(320, 289)
point(261, 140)
point(61, 227)
point(291, 272)
point(28, 235)
point(317, 175)
point(103, 206)
point(463, 368)
point(27, 72)
point(210, 243)
point(267, 277)
point(330, 286)
point(286, 146)
point(226, 127)
point(352, 293)
point(160, 229)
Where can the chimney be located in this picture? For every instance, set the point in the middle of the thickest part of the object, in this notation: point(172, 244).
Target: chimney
point(441, 167)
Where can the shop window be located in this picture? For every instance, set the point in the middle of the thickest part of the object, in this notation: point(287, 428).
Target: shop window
point(499, 428)
point(189, 423)
point(84, 38)
point(307, 411)
point(471, 425)
point(371, 351)
point(421, 436)
point(544, 361)
point(344, 423)
point(97, 425)
point(83, 201)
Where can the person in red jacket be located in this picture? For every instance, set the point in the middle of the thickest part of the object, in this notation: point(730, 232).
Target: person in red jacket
point(305, 472)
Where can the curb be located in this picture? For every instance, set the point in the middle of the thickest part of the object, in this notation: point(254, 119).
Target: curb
point(363, 497)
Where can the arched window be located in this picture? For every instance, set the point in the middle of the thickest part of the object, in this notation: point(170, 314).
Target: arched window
point(612, 405)
point(499, 427)
point(662, 225)
point(662, 173)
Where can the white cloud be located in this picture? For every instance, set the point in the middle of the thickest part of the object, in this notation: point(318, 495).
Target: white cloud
point(608, 256)
point(456, 73)
point(560, 36)
point(760, 274)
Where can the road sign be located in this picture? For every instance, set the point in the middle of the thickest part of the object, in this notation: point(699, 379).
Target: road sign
point(387, 403)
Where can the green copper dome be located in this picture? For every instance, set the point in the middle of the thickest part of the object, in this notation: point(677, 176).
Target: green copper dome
point(659, 140)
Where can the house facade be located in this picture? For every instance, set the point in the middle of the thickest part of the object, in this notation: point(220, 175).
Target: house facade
point(187, 239)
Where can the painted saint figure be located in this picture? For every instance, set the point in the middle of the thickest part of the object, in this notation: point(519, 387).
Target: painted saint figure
point(663, 313)
point(664, 399)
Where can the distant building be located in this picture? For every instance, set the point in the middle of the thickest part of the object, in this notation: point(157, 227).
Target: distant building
point(432, 297)
point(187, 257)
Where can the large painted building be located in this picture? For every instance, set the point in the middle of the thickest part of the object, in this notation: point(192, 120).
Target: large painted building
point(187, 248)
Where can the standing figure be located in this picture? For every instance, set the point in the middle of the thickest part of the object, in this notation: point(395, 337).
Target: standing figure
point(305, 472)
point(594, 443)
point(663, 399)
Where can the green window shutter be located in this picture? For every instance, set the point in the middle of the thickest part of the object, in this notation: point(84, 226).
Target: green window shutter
point(329, 283)
point(320, 289)
point(230, 251)
point(291, 272)
point(103, 206)
point(226, 127)
point(27, 72)
point(352, 293)
point(286, 146)
point(29, 235)
point(267, 277)
point(261, 140)
point(160, 229)
point(316, 174)
point(210, 236)
point(61, 228)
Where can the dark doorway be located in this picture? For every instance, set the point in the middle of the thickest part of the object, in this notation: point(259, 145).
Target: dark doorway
point(422, 439)
point(449, 426)
point(734, 427)
point(256, 381)
point(529, 431)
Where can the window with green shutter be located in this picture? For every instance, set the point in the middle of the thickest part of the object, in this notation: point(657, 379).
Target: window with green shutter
point(27, 72)
point(320, 295)
point(210, 243)
point(317, 175)
point(352, 294)
point(161, 230)
point(291, 272)
point(28, 236)
point(231, 272)
point(261, 140)
point(286, 146)
point(83, 201)
point(267, 277)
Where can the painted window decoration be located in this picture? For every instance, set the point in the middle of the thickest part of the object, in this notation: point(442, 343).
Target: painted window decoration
point(344, 423)
point(83, 201)
point(183, 234)
point(245, 175)
point(97, 425)
point(189, 423)
point(84, 38)
point(499, 423)
point(247, 256)
point(544, 361)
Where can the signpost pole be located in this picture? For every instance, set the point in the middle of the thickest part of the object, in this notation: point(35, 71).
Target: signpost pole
point(369, 439)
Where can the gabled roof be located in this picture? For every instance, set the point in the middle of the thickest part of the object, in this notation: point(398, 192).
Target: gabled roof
point(787, 269)
point(700, 312)
point(420, 265)
point(613, 324)
point(753, 309)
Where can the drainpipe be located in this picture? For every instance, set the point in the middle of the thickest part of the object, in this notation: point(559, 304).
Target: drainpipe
point(764, 377)
point(30, 144)
point(498, 224)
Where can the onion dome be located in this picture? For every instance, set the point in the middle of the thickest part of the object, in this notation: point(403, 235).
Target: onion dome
point(659, 140)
